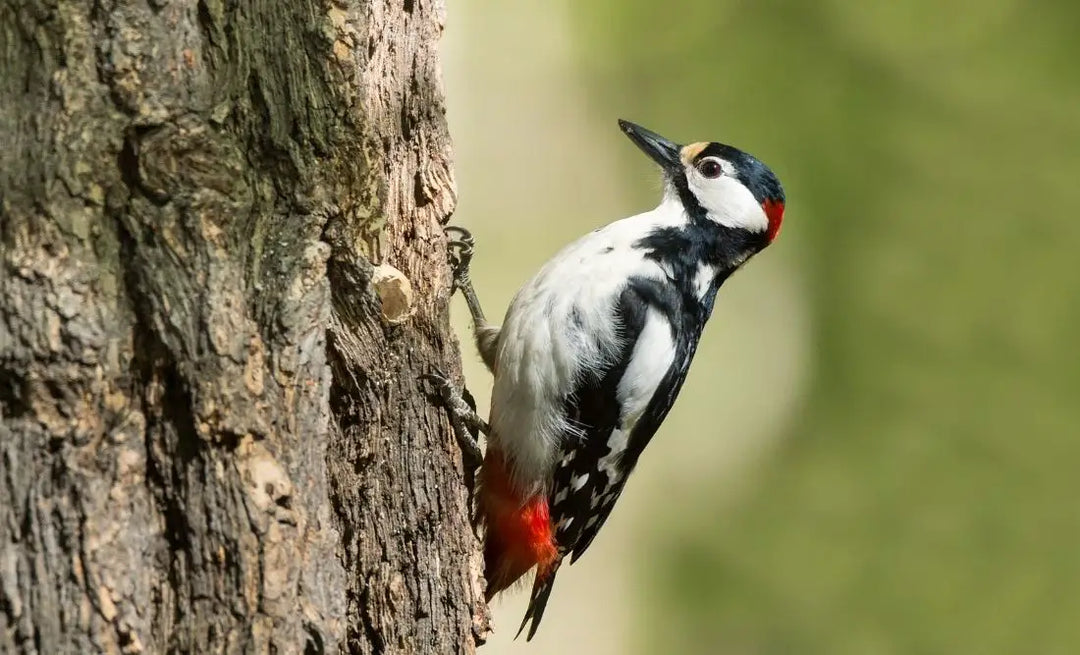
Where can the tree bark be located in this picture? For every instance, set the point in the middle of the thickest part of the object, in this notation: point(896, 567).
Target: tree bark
point(223, 271)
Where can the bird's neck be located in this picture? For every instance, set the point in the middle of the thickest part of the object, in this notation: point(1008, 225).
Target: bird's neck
point(697, 254)
point(688, 238)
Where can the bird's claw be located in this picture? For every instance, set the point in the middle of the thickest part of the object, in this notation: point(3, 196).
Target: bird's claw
point(459, 253)
point(461, 407)
point(464, 235)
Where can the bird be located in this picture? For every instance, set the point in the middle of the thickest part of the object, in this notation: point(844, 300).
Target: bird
point(593, 351)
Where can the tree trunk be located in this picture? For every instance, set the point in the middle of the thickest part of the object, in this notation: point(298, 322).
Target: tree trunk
point(213, 436)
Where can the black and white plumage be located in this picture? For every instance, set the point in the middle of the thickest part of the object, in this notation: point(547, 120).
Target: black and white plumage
point(595, 348)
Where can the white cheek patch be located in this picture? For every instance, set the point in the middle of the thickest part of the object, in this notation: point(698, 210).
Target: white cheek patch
point(728, 202)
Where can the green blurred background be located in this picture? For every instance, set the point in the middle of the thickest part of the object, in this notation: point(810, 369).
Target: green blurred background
point(876, 450)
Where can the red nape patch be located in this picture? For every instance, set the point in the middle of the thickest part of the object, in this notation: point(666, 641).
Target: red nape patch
point(519, 533)
point(774, 211)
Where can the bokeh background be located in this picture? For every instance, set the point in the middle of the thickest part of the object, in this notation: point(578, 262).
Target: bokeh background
point(877, 449)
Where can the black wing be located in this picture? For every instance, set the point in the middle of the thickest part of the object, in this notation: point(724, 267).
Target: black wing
point(586, 485)
point(598, 413)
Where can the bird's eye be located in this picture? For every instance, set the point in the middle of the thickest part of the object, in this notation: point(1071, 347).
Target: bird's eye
point(710, 168)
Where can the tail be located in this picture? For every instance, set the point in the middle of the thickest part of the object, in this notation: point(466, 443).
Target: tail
point(519, 533)
point(545, 580)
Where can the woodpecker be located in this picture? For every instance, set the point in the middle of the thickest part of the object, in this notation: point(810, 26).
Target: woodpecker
point(593, 352)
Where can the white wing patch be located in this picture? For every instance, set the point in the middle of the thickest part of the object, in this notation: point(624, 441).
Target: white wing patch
point(653, 356)
point(616, 445)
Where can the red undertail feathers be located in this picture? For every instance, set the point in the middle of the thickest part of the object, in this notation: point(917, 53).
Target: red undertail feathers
point(519, 534)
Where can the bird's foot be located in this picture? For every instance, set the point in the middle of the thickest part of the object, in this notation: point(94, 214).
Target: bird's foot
point(466, 423)
point(460, 251)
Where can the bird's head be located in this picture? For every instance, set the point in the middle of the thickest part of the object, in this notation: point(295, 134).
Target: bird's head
point(717, 182)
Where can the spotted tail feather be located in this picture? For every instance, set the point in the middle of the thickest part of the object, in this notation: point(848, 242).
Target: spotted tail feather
point(545, 580)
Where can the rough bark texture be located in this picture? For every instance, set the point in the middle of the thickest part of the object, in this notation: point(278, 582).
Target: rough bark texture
point(213, 438)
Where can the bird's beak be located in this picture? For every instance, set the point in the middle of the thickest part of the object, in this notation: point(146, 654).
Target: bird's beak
point(661, 150)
